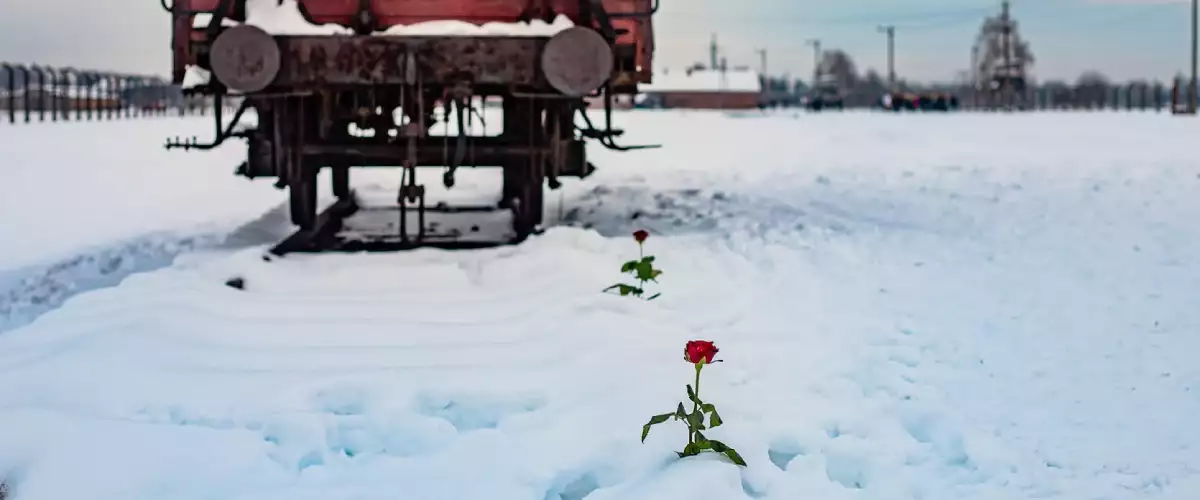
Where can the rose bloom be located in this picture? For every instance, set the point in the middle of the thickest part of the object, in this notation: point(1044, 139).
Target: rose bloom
point(640, 235)
point(698, 350)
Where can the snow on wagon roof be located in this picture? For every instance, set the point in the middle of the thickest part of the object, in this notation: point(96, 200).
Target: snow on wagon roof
point(283, 18)
point(705, 80)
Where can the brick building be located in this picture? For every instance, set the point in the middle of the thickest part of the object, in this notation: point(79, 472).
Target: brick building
point(703, 89)
point(620, 101)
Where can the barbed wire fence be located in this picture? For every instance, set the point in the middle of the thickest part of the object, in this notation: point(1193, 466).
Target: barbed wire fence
point(36, 93)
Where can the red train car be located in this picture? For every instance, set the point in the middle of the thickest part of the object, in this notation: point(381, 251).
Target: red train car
point(307, 90)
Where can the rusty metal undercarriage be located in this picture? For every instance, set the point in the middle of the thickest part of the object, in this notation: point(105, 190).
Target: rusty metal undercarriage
point(361, 101)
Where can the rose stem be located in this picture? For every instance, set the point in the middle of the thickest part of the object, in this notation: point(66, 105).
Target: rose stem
point(695, 404)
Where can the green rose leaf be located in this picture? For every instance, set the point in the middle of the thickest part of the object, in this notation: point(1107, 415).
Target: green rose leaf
point(733, 455)
point(657, 419)
point(714, 418)
point(644, 271)
point(626, 290)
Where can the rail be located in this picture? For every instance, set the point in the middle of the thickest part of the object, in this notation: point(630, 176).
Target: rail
point(34, 92)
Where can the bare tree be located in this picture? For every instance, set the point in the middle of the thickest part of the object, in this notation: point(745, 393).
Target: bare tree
point(869, 90)
point(1092, 89)
point(837, 68)
point(1001, 60)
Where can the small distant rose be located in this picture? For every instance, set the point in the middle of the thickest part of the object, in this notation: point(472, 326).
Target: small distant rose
point(642, 269)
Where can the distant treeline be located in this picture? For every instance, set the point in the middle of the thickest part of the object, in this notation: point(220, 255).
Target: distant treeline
point(1091, 89)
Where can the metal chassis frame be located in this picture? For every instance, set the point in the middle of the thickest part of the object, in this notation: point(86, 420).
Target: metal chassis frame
point(316, 73)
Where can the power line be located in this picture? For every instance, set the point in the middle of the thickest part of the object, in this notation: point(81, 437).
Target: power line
point(957, 15)
point(931, 20)
point(1064, 13)
point(937, 25)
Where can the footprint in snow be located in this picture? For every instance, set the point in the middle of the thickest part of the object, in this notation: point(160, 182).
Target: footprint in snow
point(572, 487)
point(342, 400)
point(846, 469)
point(468, 412)
point(782, 451)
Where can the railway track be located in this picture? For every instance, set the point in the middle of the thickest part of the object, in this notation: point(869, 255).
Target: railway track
point(353, 225)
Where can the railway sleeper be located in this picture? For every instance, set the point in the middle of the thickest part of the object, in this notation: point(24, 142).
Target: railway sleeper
point(524, 197)
point(523, 190)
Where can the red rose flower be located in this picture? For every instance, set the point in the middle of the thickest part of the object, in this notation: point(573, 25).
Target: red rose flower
point(640, 235)
point(699, 353)
point(697, 350)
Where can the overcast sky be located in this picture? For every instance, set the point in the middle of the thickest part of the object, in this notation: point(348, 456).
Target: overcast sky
point(1122, 38)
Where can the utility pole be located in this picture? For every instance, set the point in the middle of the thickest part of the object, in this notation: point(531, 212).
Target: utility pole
point(712, 53)
point(816, 45)
point(890, 31)
point(1006, 54)
point(976, 79)
point(763, 80)
point(1192, 87)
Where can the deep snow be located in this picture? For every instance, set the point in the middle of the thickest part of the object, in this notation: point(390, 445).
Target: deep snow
point(932, 307)
point(75, 184)
point(110, 201)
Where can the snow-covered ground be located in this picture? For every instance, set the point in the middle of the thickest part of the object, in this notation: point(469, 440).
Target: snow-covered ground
point(910, 307)
point(83, 204)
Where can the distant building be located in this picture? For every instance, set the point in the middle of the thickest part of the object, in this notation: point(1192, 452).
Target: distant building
point(620, 101)
point(700, 88)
